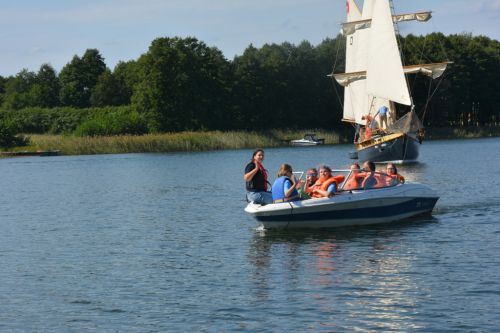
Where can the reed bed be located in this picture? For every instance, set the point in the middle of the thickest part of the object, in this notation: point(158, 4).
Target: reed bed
point(211, 140)
point(169, 142)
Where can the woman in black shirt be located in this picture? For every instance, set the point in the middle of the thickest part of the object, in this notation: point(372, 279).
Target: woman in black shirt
point(256, 179)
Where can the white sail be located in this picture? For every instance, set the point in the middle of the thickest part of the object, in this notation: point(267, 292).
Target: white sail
point(374, 81)
point(433, 70)
point(385, 77)
point(355, 96)
point(354, 60)
point(420, 17)
point(352, 26)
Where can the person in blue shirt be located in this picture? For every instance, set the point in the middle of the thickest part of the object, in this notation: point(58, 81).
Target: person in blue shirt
point(370, 181)
point(285, 186)
point(382, 112)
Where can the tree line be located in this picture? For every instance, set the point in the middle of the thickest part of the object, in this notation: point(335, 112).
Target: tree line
point(183, 84)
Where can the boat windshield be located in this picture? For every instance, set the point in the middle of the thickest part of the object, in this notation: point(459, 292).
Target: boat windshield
point(360, 180)
point(298, 174)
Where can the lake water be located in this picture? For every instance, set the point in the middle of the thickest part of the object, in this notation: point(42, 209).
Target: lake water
point(160, 243)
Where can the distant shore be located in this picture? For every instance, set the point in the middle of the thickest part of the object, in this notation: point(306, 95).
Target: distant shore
point(213, 140)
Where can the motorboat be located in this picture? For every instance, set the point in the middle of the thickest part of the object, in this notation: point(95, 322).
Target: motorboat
point(383, 203)
point(309, 139)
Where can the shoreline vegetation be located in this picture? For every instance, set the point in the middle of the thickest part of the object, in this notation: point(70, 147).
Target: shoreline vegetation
point(199, 100)
point(211, 140)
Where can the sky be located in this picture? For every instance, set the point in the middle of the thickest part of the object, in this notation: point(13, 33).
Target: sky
point(34, 32)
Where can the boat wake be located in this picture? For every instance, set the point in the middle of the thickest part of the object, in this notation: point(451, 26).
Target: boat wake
point(474, 208)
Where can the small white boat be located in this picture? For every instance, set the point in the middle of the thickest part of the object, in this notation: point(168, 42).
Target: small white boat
point(308, 140)
point(383, 204)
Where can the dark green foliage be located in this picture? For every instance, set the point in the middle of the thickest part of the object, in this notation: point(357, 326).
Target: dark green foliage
point(127, 75)
point(183, 84)
point(468, 94)
point(46, 89)
point(8, 137)
point(28, 89)
point(285, 86)
point(42, 120)
point(122, 121)
point(79, 77)
point(2, 88)
point(107, 91)
point(18, 90)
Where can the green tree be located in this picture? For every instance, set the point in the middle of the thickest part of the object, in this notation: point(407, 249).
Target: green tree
point(17, 90)
point(106, 92)
point(8, 137)
point(127, 75)
point(45, 91)
point(182, 85)
point(79, 77)
point(429, 95)
point(249, 90)
point(311, 97)
point(285, 86)
point(2, 88)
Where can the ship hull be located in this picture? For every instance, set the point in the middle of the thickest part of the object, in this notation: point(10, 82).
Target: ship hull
point(394, 148)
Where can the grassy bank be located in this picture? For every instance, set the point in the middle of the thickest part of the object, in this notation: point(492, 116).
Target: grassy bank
point(168, 142)
point(215, 140)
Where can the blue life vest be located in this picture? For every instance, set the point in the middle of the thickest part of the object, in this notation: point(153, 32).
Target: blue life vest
point(278, 190)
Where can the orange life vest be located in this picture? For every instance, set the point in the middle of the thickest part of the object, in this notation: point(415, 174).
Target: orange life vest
point(368, 133)
point(309, 189)
point(323, 183)
point(354, 181)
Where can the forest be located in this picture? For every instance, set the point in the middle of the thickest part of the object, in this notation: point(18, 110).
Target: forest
point(181, 84)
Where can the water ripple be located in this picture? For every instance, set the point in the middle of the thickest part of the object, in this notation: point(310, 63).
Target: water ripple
point(130, 243)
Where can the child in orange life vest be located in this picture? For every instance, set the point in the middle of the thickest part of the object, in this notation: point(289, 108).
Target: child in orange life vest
point(355, 179)
point(326, 185)
point(311, 178)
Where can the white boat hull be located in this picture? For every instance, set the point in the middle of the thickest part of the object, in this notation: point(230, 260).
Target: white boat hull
point(360, 207)
point(304, 143)
point(308, 140)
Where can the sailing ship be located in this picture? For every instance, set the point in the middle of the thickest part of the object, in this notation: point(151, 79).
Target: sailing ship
point(375, 82)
